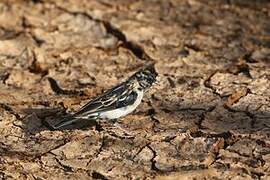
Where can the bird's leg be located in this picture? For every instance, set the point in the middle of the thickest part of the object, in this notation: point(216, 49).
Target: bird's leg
point(126, 132)
point(118, 130)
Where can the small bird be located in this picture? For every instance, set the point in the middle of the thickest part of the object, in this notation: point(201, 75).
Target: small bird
point(117, 101)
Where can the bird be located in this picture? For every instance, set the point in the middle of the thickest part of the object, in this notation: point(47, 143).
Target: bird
point(116, 102)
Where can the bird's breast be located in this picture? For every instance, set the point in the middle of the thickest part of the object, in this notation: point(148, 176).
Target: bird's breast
point(120, 112)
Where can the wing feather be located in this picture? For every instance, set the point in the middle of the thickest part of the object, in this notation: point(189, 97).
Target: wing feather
point(112, 99)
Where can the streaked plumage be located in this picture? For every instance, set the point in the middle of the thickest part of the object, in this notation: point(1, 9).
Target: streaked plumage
point(116, 102)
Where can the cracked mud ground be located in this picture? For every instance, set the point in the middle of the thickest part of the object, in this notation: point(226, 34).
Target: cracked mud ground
point(207, 118)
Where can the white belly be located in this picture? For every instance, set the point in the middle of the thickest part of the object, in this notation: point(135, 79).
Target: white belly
point(117, 113)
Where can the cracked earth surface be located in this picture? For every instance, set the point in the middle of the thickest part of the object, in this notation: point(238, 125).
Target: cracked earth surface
point(207, 118)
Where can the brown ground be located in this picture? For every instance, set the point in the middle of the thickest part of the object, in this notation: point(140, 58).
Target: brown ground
point(208, 117)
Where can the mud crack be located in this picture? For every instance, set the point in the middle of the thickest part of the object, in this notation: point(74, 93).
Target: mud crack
point(136, 49)
point(10, 110)
point(207, 83)
point(58, 90)
point(152, 160)
point(97, 175)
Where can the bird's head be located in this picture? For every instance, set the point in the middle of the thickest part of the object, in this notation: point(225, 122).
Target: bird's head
point(146, 77)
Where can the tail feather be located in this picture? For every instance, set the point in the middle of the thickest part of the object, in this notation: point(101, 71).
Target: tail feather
point(65, 122)
point(72, 119)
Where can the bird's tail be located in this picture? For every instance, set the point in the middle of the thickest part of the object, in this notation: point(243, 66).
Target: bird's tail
point(65, 122)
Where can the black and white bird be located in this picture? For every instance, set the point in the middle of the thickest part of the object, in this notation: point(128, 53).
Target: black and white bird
point(117, 101)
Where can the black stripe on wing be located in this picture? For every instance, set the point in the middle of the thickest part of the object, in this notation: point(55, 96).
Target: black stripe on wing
point(117, 97)
point(121, 102)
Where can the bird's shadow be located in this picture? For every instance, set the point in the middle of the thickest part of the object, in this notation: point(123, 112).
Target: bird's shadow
point(39, 119)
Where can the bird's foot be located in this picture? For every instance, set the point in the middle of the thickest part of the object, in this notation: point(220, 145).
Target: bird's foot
point(116, 129)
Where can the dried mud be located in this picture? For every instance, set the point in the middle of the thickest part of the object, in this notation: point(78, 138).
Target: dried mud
point(207, 118)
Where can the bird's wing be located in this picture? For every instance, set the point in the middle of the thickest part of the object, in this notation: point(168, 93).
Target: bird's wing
point(117, 97)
